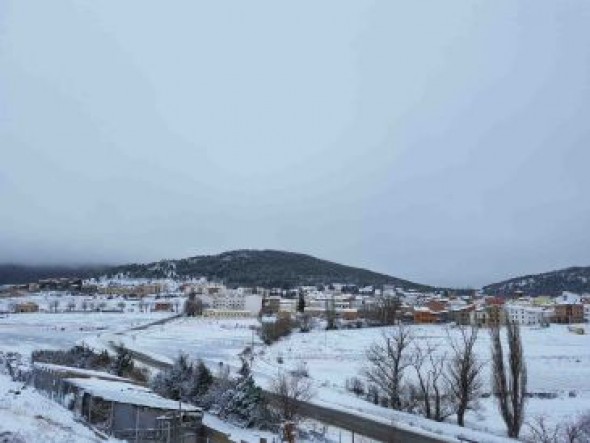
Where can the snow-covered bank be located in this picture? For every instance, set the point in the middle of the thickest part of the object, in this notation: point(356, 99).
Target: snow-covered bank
point(28, 415)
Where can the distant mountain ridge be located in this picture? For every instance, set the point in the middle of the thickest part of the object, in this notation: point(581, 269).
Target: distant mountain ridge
point(17, 273)
point(574, 279)
point(246, 267)
point(267, 268)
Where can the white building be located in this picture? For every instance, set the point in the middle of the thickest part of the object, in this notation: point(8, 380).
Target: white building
point(234, 303)
point(568, 298)
point(527, 315)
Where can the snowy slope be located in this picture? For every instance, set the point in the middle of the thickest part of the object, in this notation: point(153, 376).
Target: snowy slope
point(27, 414)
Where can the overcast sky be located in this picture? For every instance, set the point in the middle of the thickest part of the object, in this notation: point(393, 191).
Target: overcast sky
point(445, 142)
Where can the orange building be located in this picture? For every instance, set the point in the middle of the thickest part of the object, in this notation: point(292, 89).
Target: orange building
point(425, 316)
point(569, 313)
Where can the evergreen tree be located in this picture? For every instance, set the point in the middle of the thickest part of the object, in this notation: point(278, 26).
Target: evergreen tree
point(177, 382)
point(246, 403)
point(301, 302)
point(202, 381)
point(123, 363)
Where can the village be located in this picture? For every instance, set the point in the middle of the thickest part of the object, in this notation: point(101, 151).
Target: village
point(307, 327)
point(347, 305)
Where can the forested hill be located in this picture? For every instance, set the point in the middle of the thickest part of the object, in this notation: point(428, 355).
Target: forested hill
point(14, 274)
point(267, 268)
point(552, 283)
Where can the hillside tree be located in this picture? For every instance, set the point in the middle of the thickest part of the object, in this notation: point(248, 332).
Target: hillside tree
point(464, 371)
point(289, 390)
point(509, 382)
point(388, 360)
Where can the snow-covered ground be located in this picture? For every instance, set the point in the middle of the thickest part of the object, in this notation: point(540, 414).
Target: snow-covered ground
point(28, 415)
point(558, 362)
point(211, 340)
point(24, 333)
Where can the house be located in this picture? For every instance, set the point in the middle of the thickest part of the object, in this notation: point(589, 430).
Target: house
point(288, 305)
point(461, 315)
point(495, 301)
point(348, 314)
point(245, 302)
point(437, 305)
point(568, 298)
point(542, 300)
point(424, 315)
point(271, 304)
point(28, 306)
point(487, 316)
point(163, 306)
point(59, 284)
point(527, 315)
point(118, 407)
point(566, 313)
point(127, 411)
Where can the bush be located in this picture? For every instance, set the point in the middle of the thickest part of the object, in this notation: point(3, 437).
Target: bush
point(356, 386)
point(271, 331)
point(85, 358)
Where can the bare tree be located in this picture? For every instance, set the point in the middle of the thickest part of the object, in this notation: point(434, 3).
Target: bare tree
point(384, 310)
point(583, 424)
point(355, 385)
point(441, 393)
point(541, 431)
point(84, 305)
point(387, 362)
point(71, 305)
point(432, 387)
point(463, 372)
point(289, 390)
point(53, 305)
point(121, 305)
point(509, 387)
point(574, 432)
point(580, 431)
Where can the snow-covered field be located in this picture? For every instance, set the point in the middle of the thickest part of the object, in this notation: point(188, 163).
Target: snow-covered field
point(211, 340)
point(24, 333)
point(557, 359)
point(558, 362)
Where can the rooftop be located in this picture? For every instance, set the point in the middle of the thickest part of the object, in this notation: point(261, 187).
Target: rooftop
point(121, 392)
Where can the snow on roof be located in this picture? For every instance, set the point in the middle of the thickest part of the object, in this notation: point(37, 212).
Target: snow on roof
point(422, 309)
point(79, 371)
point(121, 392)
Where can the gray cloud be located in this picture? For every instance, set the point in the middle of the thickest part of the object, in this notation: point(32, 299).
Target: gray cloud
point(445, 142)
